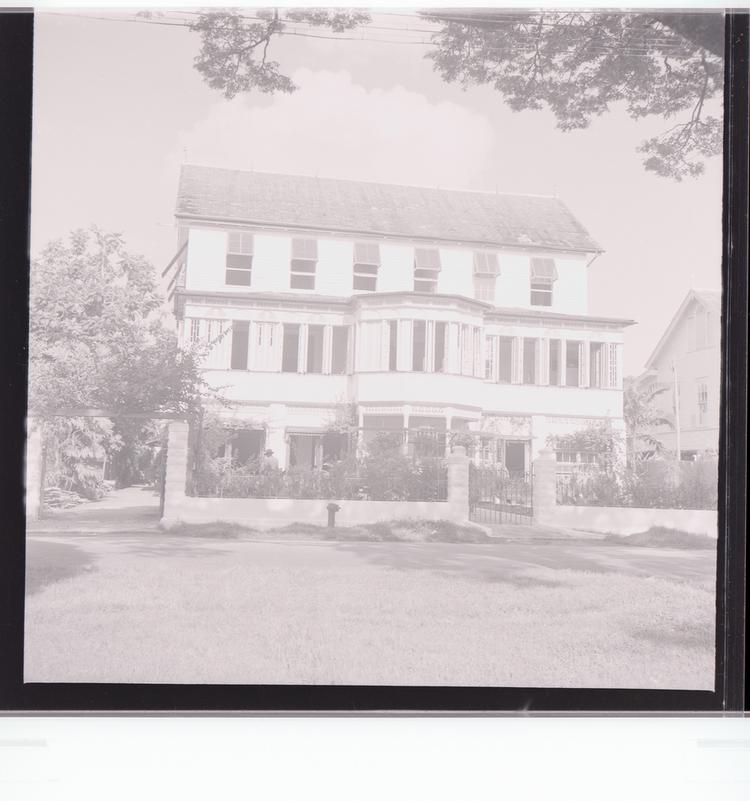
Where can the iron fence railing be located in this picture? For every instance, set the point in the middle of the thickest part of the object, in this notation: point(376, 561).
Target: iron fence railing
point(391, 478)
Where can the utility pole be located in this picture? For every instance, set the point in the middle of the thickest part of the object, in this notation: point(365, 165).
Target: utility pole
point(676, 385)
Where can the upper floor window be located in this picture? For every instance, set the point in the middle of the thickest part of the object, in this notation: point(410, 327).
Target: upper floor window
point(239, 259)
point(366, 264)
point(543, 275)
point(426, 269)
point(486, 271)
point(304, 262)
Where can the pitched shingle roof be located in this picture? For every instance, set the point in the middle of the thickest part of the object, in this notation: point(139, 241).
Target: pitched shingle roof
point(383, 209)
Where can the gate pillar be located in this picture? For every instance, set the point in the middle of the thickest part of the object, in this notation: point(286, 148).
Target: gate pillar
point(458, 485)
point(175, 479)
point(544, 497)
point(33, 473)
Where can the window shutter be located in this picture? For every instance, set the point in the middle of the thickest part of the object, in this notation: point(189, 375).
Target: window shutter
point(366, 253)
point(491, 358)
point(542, 362)
point(302, 349)
point(305, 249)
point(327, 348)
point(429, 350)
point(403, 357)
point(517, 361)
point(486, 263)
point(614, 365)
point(453, 355)
point(385, 345)
point(583, 363)
point(478, 355)
point(543, 270)
point(427, 259)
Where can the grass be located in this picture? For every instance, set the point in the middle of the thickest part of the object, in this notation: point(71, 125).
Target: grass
point(223, 611)
point(660, 537)
point(402, 530)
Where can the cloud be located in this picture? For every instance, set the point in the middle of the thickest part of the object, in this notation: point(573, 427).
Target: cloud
point(332, 127)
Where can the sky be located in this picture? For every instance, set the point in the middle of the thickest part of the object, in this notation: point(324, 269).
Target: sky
point(118, 107)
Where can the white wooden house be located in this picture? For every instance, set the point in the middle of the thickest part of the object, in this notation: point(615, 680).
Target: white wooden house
point(415, 308)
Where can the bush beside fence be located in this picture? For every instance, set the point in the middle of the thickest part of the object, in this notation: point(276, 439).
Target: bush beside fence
point(390, 477)
point(652, 484)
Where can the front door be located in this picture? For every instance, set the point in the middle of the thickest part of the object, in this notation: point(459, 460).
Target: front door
point(515, 457)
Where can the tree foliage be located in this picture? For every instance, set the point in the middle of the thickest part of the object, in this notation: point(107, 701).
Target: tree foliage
point(234, 55)
point(97, 340)
point(576, 63)
point(641, 418)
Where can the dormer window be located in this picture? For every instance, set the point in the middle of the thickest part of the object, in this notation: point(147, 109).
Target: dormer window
point(304, 263)
point(366, 264)
point(486, 271)
point(239, 260)
point(543, 275)
point(426, 269)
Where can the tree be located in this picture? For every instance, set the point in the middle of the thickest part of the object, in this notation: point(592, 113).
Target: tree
point(97, 339)
point(579, 63)
point(234, 54)
point(641, 418)
point(575, 63)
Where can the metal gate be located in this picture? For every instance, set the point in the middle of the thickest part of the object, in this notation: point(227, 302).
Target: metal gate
point(495, 496)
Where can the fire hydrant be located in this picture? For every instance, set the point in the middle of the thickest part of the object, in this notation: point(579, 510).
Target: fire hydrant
point(332, 509)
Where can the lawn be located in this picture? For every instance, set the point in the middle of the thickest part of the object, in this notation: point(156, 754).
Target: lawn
point(158, 608)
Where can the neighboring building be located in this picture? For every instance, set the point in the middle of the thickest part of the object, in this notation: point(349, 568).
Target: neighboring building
point(686, 364)
point(409, 308)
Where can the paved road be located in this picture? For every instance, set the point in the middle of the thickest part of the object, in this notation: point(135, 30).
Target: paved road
point(125, 524)
point(504, 561)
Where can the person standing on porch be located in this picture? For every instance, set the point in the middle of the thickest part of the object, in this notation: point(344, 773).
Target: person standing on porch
point(270, 463)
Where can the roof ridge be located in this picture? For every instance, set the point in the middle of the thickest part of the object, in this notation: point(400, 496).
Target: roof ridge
point(373, 183)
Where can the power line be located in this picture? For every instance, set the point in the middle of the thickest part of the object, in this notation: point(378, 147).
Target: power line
point(633, 50)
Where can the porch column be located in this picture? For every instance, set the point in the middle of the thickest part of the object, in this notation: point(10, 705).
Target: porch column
point(34, 472)
point(177, 470)
point(544, 488)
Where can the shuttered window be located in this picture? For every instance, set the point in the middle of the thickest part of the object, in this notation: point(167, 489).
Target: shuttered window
point(542, 276)
point(426, 269)
point(366, 265)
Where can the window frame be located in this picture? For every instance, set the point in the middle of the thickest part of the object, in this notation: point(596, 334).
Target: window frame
point(366, 266)
point(243, 247)
point(542, 277)
point(426, 270)
point(304, 252)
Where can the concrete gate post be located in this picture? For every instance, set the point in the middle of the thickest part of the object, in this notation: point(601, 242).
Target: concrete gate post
point(175, 478)
point(544, 487)
point(33, 471)
point(458, 485)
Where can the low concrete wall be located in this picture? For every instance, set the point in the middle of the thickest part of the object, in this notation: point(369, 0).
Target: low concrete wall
point(272, 512)
point(625, 520)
